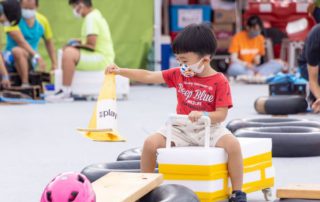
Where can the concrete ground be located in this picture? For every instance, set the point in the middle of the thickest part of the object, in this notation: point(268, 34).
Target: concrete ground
point(40, 141)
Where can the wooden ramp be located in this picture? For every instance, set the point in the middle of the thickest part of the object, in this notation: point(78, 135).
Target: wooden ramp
point(300, 191)
point(125, 187)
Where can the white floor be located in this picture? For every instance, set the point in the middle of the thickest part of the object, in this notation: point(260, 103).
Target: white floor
point(40, 141)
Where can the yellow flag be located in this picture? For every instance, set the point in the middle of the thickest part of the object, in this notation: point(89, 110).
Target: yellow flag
point(103, 123)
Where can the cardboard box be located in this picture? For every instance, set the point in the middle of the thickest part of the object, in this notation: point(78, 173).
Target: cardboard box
point(224, 16)
point(223, 31)
point(223, 27)
point(223, 44)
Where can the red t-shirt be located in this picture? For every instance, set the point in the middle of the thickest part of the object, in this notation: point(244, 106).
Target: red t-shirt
point(199, 93)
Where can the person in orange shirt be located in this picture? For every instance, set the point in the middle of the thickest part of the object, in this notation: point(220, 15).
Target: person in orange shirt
point(246, 50)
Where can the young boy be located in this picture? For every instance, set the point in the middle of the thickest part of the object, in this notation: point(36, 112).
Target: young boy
point(201, 91)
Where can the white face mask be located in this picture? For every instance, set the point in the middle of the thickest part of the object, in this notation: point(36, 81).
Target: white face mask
point(76, 14)
point(195, 67)
point(28, 13)
point(189, 71)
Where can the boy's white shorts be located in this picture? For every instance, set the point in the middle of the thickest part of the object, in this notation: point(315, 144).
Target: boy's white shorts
point(194, 134)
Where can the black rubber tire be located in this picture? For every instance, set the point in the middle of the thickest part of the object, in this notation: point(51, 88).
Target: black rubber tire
point(130, 154)
point(95, 171)
point(297, 200)
point(170, 193)
point(274, 105)
point(236, 124)
point(287, 141)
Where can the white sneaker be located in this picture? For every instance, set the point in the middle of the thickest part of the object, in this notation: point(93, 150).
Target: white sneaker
point(60, 96)
point(25, 85)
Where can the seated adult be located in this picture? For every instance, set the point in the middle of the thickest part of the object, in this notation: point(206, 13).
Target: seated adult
point(309, 66)
point(93, 53)
point(10, 14)
point(21, 52)
point(246, 50)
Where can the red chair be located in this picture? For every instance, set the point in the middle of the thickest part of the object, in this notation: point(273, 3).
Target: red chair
point(291, 18)
point(280, 15)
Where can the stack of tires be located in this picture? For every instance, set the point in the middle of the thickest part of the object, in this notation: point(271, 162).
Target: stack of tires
point(291, 137)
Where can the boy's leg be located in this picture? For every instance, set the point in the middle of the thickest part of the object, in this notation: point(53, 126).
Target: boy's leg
point(149, 152)
point(235, 161)
point(21, 63)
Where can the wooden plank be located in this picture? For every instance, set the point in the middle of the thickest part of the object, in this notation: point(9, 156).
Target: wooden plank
point(300, 191)
point(32, 91)
point(125, 187)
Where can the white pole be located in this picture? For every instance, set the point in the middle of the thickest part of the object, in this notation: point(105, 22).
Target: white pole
point(238, 5)
point(157, 34)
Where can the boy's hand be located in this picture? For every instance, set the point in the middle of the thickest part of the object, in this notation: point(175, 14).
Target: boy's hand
point(194, 116)
point(316, 106)
point(6, 83)
point(112, 69)
point(249, 65)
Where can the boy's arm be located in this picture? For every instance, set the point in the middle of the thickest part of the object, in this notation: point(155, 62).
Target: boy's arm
point(140, 75)
point(217, 116)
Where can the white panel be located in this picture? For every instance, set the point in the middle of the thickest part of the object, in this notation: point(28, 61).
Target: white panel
point(107, 114)
point(302, 7)
point(270, 172)
point(202, 156)
point(265, 8)
point(252, 177)
point(255, 146)
point(192, 156)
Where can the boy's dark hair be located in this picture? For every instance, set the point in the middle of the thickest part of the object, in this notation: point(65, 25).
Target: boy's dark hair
point(85, 2)
point(253, 21)
point(196, 38)
point(12, 10)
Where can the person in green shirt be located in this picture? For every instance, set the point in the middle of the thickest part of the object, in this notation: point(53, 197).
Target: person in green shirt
point(92, 53)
